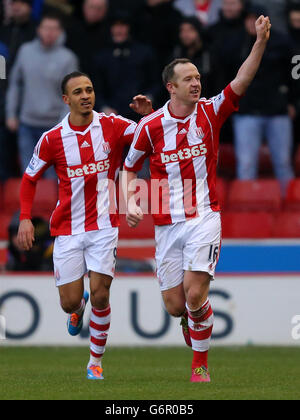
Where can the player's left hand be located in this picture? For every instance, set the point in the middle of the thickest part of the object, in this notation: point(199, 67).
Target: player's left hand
point(134, 215)
point(141, 105)
point(26, 235)
point(263, 28)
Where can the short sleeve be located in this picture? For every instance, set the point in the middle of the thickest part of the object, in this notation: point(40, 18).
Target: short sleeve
point(225, 104)
point(124, 128)
point(41, 160)
point(140, 149)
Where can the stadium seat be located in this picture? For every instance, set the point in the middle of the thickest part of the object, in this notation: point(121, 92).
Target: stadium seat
point(292, 200)
point(4, 224)
point(227, 161)
point(265, 163)
point(45, 198)
point(254, 225)
point(258, 195)
point(287, 225)
point(1, 196)
point(11, 195)
point(145, 229)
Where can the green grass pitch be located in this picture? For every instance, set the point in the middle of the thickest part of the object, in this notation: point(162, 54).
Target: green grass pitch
point(244, 373)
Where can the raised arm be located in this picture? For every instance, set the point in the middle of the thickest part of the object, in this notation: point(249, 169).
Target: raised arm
point(250, 67)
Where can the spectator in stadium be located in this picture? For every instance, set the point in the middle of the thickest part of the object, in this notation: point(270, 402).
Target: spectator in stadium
point(37, 9)
point(121, 6)
point(294, 23)
point(1, 14)
point(156, 23)
point(64, 6)
point(206, 11)
point(182, 140)
point(222, 36)
point(90, 33)
point(264, 112)
point(4, 143)
point(193, 46)
point(130, 64)
point(86, 149)
point(33, 97)
point(294, 33)
point(276, 9)
point(19, 29)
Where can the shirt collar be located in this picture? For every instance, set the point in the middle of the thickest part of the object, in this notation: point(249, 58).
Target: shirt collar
point(169, 117)
point(66, 129)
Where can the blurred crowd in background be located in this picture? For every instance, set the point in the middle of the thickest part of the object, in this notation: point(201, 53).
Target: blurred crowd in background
point(124, 45)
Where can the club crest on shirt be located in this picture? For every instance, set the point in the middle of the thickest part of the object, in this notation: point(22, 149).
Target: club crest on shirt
point(200, 132)
point(106, 148)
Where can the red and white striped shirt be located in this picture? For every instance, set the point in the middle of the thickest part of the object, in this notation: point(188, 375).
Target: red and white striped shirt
point(183, 157)
point(84, 163)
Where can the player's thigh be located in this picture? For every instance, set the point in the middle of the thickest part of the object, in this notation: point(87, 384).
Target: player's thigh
point(71, 295)
point(101, 250)
point(202, 244)
point(169, 258)
point(68, 259)
point(174, 300)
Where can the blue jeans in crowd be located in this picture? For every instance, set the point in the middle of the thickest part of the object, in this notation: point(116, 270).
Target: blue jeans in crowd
point(28, 137)
point(250, 131)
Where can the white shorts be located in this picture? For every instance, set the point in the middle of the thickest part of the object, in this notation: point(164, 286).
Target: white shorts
point(187, 246)
point(75, 255)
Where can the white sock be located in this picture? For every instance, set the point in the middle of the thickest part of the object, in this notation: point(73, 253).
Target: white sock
point(95, 361)
point(81, 308)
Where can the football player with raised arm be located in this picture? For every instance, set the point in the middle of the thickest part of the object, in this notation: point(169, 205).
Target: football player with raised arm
point(86, 151)
point(182, 141)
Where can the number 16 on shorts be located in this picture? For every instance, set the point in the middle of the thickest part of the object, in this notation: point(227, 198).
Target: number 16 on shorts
point(214, 251)
point(213, 256)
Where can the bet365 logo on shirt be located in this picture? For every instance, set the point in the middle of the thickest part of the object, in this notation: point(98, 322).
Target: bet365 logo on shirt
point(186, 153)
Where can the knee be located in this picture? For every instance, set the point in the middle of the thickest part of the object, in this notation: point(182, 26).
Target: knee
point(100, 298)
point(175, 309)
point(194, 299)
point(70, 304)
point(176, 312)
point(196, 296)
